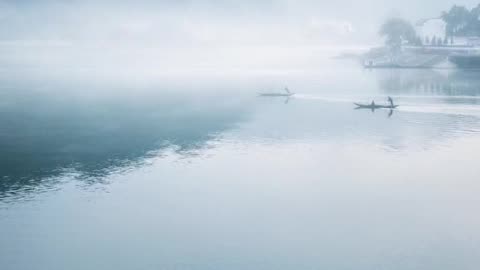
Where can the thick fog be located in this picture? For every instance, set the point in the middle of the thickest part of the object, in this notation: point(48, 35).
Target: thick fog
point(193, 34)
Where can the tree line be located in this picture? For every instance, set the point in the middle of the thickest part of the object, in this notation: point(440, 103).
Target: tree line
point(460, 21)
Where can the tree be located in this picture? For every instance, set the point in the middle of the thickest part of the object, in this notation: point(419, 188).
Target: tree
point(396, 31)
point(473, 24)
point(418, 41)
point(457, 19)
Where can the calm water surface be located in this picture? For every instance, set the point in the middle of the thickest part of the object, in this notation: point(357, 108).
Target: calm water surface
point(201, 173)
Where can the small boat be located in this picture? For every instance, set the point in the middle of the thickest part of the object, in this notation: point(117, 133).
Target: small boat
point(374, 106)
point(286, 94)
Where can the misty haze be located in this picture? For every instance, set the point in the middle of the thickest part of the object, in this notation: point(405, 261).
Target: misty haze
point(211, 134)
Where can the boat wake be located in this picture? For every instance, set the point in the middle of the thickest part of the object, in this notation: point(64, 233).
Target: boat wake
point(453, 105)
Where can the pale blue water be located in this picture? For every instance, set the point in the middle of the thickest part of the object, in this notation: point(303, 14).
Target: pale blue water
point(201, 173)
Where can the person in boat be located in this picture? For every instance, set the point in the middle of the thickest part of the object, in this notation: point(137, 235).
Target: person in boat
point(391, 101)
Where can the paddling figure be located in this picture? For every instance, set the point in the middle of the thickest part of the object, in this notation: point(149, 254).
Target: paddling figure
point(391, 102)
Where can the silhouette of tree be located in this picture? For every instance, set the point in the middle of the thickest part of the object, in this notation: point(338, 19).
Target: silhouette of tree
point(473, 24)
point(457, 19)
point(396, 31)
point(418, 41)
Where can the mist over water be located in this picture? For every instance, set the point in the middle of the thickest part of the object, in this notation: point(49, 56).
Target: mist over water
point(135, 136)
point(217, 177)
point(183, 35)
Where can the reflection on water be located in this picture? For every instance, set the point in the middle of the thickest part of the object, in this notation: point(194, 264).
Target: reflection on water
point(47, 133)
point(212, 176)
point(452, 83)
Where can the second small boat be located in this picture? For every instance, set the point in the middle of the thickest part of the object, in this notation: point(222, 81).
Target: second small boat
point(374, 106)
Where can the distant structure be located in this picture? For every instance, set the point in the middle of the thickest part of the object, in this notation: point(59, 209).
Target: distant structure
point(430, 30)
point(433, 30)
point(470, 41)
point(434, 47)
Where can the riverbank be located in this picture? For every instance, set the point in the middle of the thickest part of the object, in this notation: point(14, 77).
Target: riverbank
point(420, 57)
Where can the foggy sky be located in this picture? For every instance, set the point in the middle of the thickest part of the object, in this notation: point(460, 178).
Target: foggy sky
point(195, 22)
point(172, 36)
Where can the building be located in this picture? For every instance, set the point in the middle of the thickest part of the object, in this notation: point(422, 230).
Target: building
point(429, 29)
point(435, 28)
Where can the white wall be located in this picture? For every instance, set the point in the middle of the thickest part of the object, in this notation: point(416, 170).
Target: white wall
point(431, 28)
